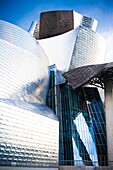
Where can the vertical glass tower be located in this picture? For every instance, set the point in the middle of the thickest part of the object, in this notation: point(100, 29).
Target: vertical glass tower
point(82, 125)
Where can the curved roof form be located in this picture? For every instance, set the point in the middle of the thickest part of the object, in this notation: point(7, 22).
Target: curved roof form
point(23, 65)
point(25, 122)
point(80, 76)
point(59, 50)
point(54, 23)
point(28, 132)
point(70, 41)
point(17, 36)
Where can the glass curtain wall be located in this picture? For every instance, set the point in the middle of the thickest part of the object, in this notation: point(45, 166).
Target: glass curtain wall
point(82, 125)
point(76, 128)
point(54, 102)
point(97, 113)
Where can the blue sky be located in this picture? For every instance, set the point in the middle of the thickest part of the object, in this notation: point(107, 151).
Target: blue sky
point(23, 12)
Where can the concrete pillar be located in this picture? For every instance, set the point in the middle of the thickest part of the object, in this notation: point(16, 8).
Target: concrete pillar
point(109, 119)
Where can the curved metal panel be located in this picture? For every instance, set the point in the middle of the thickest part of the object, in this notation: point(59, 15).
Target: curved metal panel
point(26, 138)
point(59, 51)
point(17, 36)
point(90, 48)
point(77, 19)
point(23, 76)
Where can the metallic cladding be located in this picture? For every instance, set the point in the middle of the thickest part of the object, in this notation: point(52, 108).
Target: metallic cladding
point(32, 107)
point(89, 23)
point(90, 48)
point(23, 74)
point(61, 52)
point(26, 136)
point(17, 36)
point(78, 47)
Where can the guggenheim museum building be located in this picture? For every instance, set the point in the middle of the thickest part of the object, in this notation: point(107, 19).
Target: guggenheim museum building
point(51, 110)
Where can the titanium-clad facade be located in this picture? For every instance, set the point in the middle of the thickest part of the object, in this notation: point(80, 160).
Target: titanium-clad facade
point(23, 71)
point(84, 21)
point(89, 23)
point(90, 48)
point(29, 130)
point(28, 134)
point(79, 46)
point(17, 36)
point(59, 50)
point(81, 112)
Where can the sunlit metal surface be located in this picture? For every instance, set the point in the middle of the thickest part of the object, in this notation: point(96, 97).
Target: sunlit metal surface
point(59, 50)
point(75, 48)
point(29, 132)
point(85, 21)
point(90, 48)
point(77, 19)
point(17, 36)
point(26, 136)
point(23, 74)
point(89, 23)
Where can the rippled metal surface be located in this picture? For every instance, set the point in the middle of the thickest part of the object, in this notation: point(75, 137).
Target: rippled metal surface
point(26, 136)
point(17, 36)
point(23, 75)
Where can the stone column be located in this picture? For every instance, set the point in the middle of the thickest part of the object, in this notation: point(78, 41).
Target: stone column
point(109, 119)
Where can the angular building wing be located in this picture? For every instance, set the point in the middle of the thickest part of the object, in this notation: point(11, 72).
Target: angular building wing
point(71, 41)
point(89, 48)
